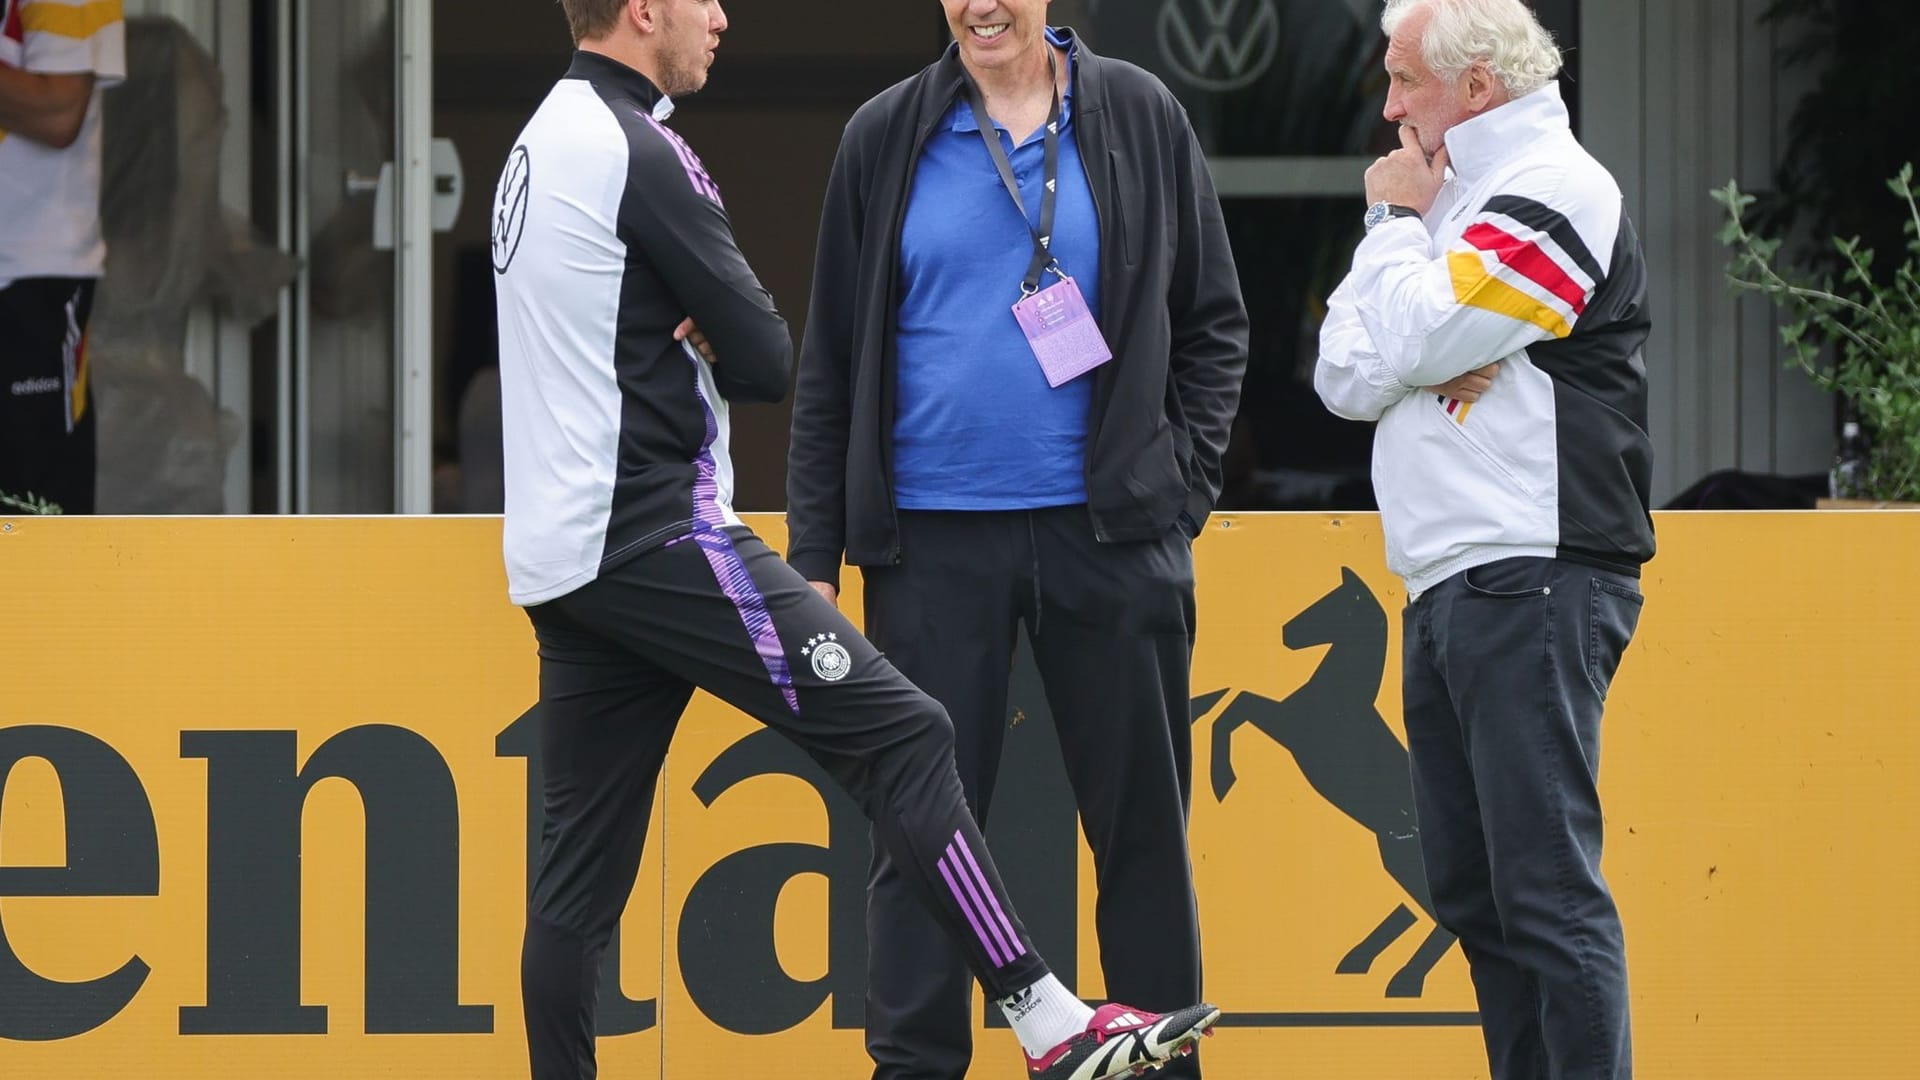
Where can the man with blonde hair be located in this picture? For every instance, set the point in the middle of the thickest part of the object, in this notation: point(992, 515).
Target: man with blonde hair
point(1493, 324)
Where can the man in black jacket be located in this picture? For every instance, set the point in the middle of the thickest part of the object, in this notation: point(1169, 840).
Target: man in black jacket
point(1048, 464)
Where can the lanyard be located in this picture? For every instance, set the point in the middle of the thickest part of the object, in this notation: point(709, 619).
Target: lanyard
point(1043, 259)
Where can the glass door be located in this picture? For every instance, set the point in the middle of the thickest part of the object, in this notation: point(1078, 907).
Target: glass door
point(361, 365)
point(263, 328)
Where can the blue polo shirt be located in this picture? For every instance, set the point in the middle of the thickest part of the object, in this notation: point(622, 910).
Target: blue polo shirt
point(976, 425)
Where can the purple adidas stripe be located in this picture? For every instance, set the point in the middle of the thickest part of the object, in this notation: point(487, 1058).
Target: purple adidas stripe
point(994, 953)
point(1017, 948)
point(979, 905)
point(729, 569)
point(696, 172)
point(737, 583)
point(706, 485)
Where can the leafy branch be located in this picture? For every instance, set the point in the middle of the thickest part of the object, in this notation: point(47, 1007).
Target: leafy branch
point(1873, 327)
point(32, 504)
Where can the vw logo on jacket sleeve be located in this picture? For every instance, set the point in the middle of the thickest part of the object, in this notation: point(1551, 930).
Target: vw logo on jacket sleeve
point(510, 208)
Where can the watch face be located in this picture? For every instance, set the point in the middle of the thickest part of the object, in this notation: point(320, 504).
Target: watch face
point(1376, 214)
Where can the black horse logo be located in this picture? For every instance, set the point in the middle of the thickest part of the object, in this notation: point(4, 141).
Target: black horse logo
point(1350, 756)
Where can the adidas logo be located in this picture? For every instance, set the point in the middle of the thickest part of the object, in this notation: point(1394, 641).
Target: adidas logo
point(1124, 1020)
point(26, 387)
point(1021, 1003)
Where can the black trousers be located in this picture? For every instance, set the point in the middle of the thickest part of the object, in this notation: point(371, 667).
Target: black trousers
point(46, 415)
point(619, 659)
point(1507, 668)
point(1112, 627)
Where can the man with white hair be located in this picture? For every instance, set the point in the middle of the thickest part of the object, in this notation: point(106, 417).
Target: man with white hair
point(1493, 324)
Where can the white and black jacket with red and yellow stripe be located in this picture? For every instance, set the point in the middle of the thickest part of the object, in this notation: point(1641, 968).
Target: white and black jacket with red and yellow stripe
point(1527, 258)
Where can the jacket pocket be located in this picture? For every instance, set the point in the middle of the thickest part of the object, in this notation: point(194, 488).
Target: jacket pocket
point(1127, 223)
point(1155, 479)
point(1499, 466)
point(1182, 444)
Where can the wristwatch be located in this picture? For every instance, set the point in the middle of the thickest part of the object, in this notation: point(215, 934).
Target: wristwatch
point(1381, 211)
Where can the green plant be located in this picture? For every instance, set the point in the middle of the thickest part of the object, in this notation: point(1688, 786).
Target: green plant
point(32, 504)
point(1873, 327)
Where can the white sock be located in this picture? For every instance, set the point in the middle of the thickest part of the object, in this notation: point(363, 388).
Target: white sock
point(1045, 1015)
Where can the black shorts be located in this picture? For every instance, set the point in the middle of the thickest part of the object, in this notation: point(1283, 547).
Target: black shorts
point(46, 412)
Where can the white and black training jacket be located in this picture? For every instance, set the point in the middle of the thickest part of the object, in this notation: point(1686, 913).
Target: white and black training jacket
point(607, 232)
point(1527, 258)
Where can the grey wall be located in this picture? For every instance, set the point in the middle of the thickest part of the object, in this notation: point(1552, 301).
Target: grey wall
point(1678, 98)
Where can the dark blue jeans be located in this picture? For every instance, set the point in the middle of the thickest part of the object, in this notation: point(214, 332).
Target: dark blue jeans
point(1506, 673)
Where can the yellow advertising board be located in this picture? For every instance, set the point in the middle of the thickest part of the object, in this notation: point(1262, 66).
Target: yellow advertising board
point(265, 799)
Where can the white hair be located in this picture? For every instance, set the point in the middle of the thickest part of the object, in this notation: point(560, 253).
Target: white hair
point(1502, 33)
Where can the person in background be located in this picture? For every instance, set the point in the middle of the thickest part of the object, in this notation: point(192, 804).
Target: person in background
point(56, 58)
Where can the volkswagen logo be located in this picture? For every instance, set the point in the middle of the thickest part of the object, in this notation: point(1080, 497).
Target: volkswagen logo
point(510, 209)
point(1219, 44)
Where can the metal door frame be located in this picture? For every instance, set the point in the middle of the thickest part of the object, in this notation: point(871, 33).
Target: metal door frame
point(413, 253)
point(413, 258)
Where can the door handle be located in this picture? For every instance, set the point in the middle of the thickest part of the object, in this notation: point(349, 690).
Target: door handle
point(449, 186)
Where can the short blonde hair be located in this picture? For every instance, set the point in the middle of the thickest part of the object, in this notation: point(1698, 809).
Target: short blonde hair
point(1502, 33)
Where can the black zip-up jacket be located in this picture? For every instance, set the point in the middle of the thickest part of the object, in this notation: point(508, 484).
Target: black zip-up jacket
point(1170, 310)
